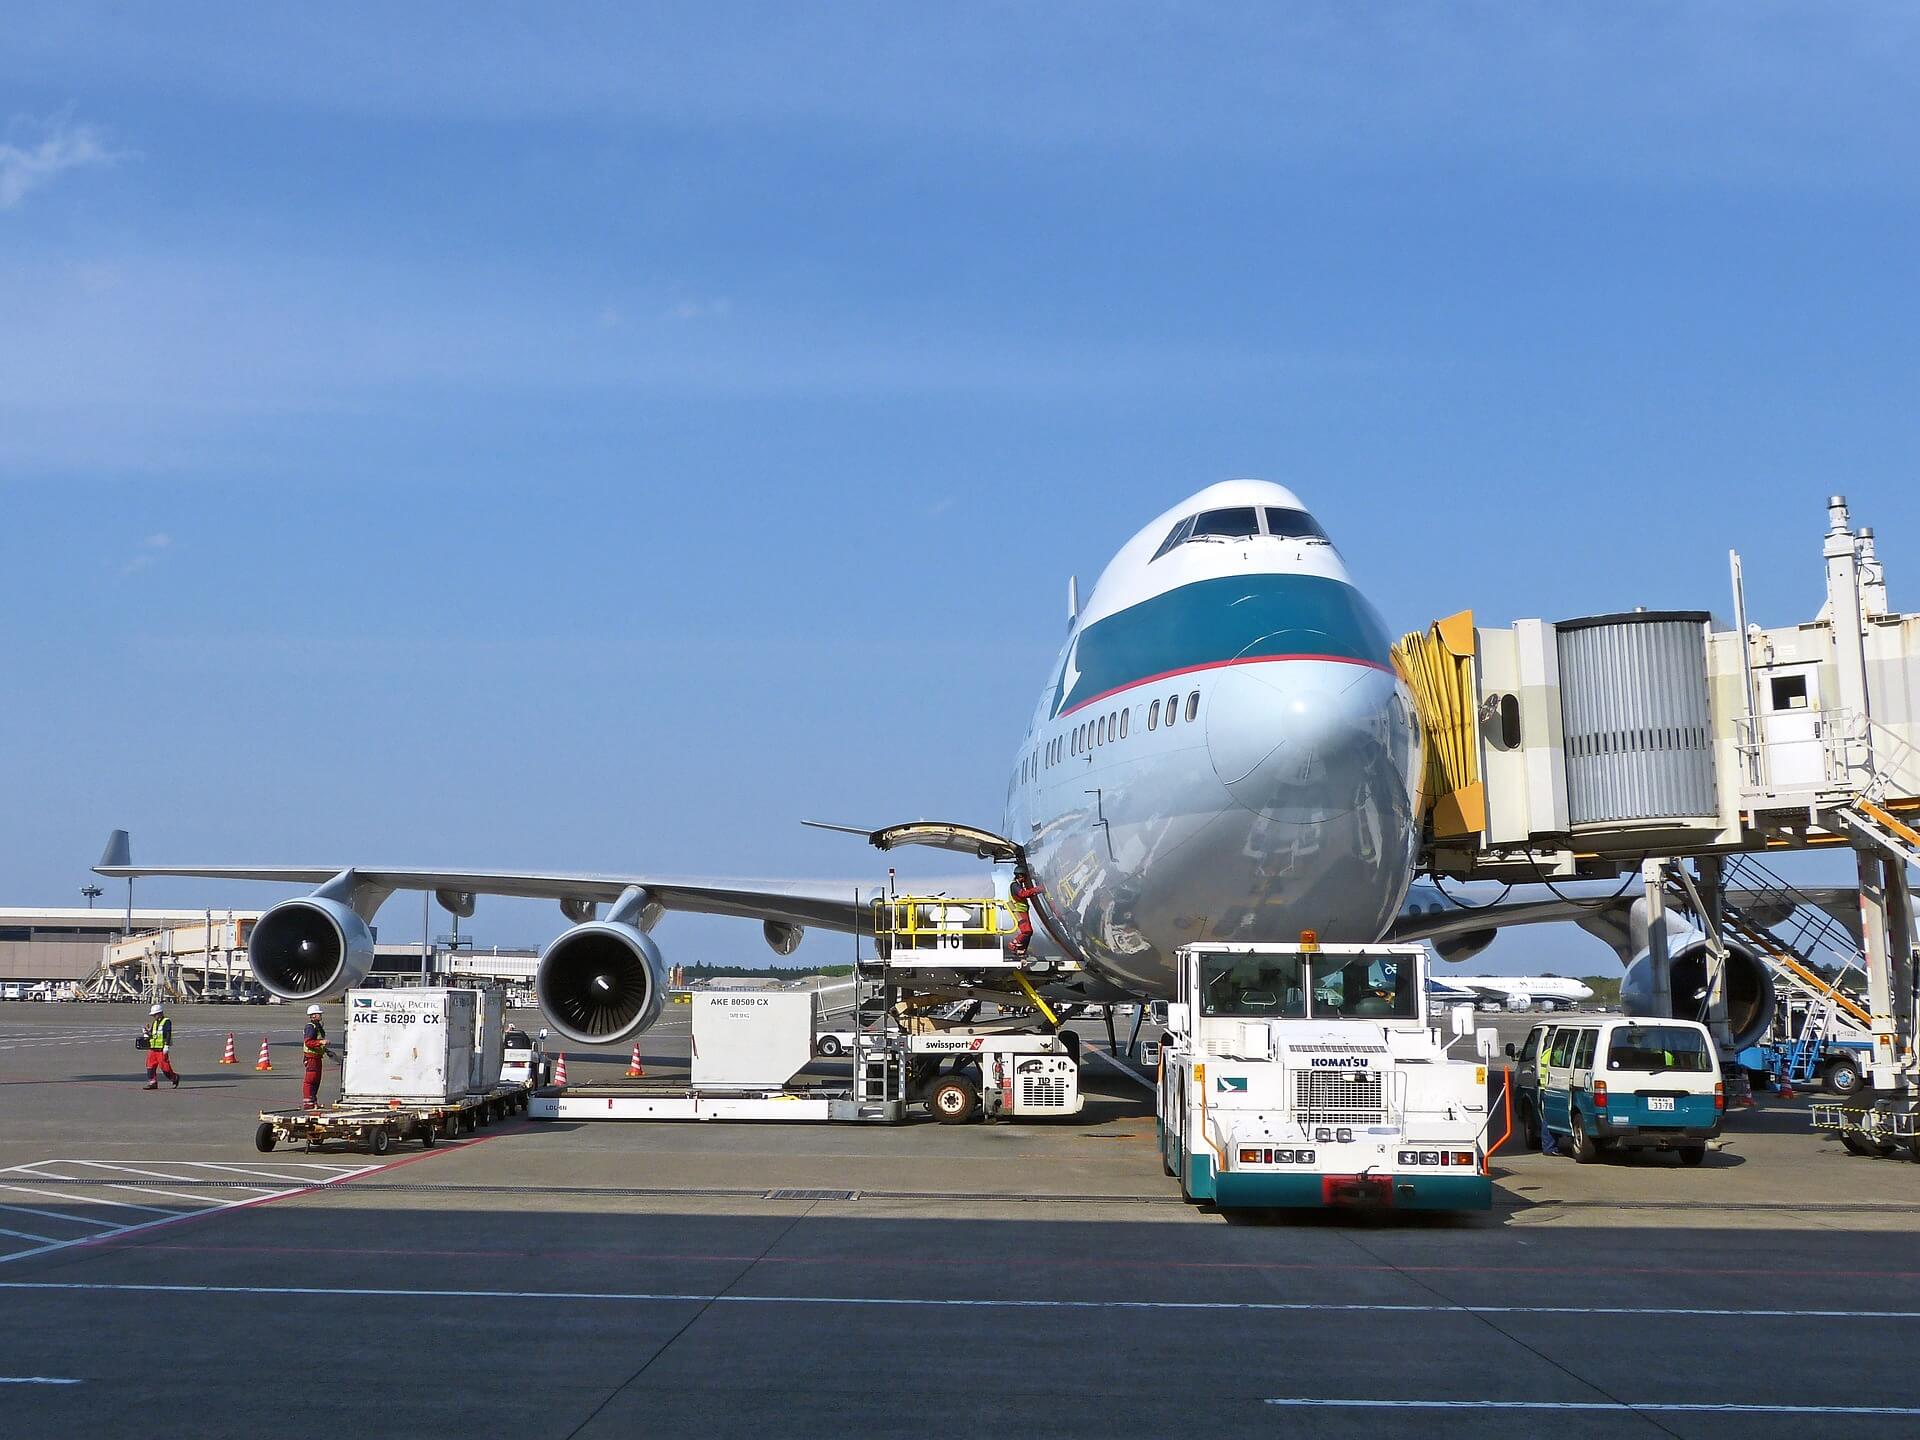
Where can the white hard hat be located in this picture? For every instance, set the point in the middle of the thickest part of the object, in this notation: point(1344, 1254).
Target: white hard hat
point(313, 1009)
point(155, 1010)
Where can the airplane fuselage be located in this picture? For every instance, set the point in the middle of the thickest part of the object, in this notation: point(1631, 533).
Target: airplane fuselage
point(1224, 750)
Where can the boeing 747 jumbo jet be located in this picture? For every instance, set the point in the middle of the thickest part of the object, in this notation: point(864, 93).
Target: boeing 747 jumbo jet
point(1222, 751)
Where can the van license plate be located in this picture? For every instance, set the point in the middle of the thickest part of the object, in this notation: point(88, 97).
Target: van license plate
point(1659, 1102)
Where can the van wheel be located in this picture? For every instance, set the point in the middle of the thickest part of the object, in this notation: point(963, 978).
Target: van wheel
point(1585, 1152)
point(1692, 1154)
point(954, 1100)
point(1530, 1131)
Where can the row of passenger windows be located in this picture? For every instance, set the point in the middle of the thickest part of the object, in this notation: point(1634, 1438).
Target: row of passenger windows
point(1243, 522)
point(1109, 728)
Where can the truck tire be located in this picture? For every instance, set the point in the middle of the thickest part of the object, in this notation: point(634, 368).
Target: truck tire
point(264, 1139)
point(428, 1136)
point(1842, 1076)
point(954, 1100)
point(1585, 1151)
point(829, 1046)
point(380, 1141)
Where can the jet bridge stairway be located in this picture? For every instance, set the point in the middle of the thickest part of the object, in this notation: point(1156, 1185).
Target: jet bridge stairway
point(1795, 939)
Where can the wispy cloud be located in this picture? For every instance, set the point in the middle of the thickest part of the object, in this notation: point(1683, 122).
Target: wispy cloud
point(37, 152)
point(717, 308)
point(149, 553)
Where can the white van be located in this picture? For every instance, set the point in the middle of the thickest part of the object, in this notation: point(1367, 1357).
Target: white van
point(1632, 1084)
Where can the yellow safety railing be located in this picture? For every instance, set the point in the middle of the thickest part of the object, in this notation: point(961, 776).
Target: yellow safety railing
point(1437, 664)
point(939, 922)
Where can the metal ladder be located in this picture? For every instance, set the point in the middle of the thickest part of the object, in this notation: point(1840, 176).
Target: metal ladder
point(1790, 947)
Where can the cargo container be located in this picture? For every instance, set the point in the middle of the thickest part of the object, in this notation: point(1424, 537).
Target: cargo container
point(414, 1045)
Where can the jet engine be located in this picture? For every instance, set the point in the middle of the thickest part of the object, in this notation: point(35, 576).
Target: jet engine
point(601, 982)
point(1465, 946)
point(1749, 988)
point(306, 948)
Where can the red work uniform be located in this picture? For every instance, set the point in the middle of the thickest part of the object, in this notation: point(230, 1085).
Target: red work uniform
point(1023, 891)
point(159, 1037)
point(313, 1049)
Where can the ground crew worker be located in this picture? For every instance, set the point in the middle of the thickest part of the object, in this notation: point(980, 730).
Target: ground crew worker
point(1540, 1093)
point(159, 1042)
point(1023, 890)
point(313, 1050)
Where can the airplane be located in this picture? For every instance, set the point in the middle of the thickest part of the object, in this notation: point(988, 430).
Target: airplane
point(1222, 750)
point(1510, 992)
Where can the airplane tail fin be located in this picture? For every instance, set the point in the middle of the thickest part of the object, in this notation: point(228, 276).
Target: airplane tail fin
point(119, 851)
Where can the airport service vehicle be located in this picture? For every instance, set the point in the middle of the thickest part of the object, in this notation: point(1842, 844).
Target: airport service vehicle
point(751, 1047)
point(523, 1058)
point(1617, 1085)
point(1307, 1075)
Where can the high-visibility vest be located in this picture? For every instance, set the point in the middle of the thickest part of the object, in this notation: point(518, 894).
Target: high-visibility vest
point(315, 1044)
point(157, 1033)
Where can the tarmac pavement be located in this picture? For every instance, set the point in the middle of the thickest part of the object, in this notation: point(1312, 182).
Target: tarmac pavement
point(599, 1280)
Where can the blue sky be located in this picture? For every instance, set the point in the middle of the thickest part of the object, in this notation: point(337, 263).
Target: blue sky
point(513, 436)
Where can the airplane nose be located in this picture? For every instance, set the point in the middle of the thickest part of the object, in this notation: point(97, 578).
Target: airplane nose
point(1303, 742)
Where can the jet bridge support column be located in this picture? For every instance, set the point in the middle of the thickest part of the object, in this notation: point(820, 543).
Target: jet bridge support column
point(1886, 933)
point(1653, 875)
point(1713, 904)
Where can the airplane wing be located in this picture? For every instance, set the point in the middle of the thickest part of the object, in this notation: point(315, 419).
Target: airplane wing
point(828, 904)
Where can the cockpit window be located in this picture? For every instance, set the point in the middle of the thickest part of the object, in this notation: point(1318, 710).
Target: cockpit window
point(1175, 536)
point(1233, 523)
point(1243, 522)
point(1293, 525)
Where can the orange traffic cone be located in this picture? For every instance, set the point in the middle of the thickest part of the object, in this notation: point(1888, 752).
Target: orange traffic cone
point(560, 1069)
point(634, 1068)
point(228, 1057)
point(263, 1063)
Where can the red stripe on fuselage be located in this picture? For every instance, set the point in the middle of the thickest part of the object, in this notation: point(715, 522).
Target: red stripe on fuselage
point(1219, 665)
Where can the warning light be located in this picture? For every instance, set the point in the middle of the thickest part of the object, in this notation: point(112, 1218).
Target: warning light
point(1309, 939)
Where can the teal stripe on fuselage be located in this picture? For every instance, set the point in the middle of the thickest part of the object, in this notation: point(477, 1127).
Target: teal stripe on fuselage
point(1214, 622)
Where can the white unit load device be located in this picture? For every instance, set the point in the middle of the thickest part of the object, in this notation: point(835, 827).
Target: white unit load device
point(747, 1040)
point(409, 1044)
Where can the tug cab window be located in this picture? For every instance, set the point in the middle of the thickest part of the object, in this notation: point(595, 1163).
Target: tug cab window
point(1364, 988)
point(1260, 987)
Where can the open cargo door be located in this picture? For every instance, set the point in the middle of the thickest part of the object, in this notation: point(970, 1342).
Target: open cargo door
point(947, 835)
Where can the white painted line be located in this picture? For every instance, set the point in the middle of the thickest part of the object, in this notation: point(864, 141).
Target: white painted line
point(1629, 1407)
point(61, 1215)
point(151, 1174)
point(24, 1235)
point(85, 1199)
point(923, 1302)
point(170, 1194)
point(1131, 1074)
point(34, 1380)
point(326, 1170)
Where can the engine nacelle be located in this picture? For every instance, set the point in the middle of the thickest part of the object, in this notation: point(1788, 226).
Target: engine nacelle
point(1749, 988)
point(601, 982)
point(306, 948)
point(1455, 948)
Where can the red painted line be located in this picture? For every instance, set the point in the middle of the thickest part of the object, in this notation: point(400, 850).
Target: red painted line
point(1220, 665)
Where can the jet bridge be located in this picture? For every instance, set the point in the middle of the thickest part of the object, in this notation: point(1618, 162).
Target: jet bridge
point(1591, 747)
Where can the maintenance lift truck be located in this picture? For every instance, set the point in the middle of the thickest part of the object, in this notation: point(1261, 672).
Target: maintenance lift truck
point(1308, 1075)
point(931, 954)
